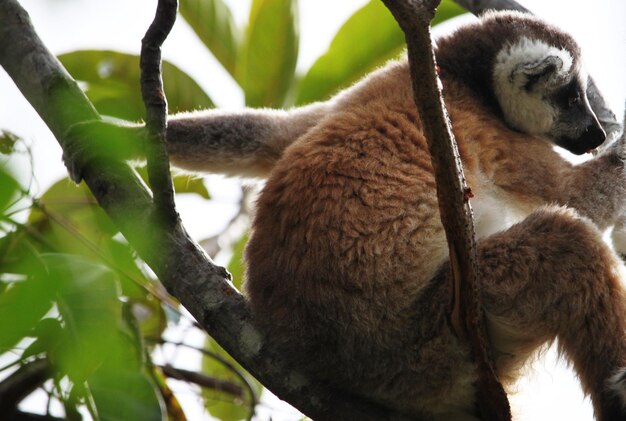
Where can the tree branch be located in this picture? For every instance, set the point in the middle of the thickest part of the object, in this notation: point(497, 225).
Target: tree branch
point(158, 163)
point(607, 118)
point(453, 193)
point(179, 263)
point(203, 380)
point(22, 383)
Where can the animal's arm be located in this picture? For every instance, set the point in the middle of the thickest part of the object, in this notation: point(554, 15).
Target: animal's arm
point(244, 143)
point(533, 173)
point(597, 188)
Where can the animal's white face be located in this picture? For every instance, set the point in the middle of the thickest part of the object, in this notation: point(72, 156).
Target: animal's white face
point(541, 91)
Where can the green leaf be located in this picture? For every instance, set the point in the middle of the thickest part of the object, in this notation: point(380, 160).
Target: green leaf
point(22, 305)
point(87, 299)
point(97, 346)
point(368, 39)
point(7, 142)
point(112, 83)
point(213, 23)
point(447, 10)
point(49, 334)
point(9, 188)
point(69, 219)
point(125, 395)
point(183, 183)
point(219, 404)
point(237, 265)
point(266, 65)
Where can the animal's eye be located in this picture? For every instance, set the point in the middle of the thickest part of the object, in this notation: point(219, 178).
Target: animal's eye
point(573, 100)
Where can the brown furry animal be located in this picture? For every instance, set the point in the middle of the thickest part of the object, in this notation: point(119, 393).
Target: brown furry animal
point(347, 259)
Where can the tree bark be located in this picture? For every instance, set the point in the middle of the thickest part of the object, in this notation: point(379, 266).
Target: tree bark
point(453, 193)
point(181, 265)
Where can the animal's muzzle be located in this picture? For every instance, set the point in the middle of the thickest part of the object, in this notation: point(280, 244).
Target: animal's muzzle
point(589, 139)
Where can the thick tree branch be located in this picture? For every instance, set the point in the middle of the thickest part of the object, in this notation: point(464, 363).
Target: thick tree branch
point(607, 118)
point(179, 263)
point(453, 194)
point(22, 383)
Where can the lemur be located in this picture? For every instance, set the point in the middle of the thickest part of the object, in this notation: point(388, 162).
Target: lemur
point(347, 258)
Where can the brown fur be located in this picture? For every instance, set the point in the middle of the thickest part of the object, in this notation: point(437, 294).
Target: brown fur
point(347, 255)
point(347, 269)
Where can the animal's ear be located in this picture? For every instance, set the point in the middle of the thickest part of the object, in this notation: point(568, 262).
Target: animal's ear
point(539, 73)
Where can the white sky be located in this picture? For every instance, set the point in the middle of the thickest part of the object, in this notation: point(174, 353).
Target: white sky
point(67, 25)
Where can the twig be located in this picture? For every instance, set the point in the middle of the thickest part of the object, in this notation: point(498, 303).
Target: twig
point(203, 380)
point(453, 193)
point(156, 111)
point(254, 399)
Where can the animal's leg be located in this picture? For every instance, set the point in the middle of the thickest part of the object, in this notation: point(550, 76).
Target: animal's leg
point(552, 277)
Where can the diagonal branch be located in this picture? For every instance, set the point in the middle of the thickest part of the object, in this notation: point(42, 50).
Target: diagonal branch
point(453, 194)
point(179, 263)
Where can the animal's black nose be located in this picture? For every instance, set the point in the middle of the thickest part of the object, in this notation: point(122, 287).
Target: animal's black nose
point(593, 136)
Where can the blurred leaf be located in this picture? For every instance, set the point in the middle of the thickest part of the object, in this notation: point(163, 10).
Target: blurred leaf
point(68, 216)
point(87, 299)
point(69, 220)
point(237, 265)
point(22, 305)
point(183, 183)
point(266, 65)
point(17, 253)
point(7, 142)
point(447, 10)
point(50, 335)
point(150, 317)
point(97, 345)
point(125, 395)
point(219, 404)
point(368, 39)
point(112, 83)
point(213, 23)
point(9, 188)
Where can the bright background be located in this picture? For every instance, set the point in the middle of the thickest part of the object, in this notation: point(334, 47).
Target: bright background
point(549, 391)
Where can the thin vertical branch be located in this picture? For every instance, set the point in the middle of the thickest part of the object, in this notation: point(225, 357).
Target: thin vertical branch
point(156, 111)
point(453, 193)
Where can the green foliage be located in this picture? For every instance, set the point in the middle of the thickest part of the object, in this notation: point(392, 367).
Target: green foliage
point(69, 282)
point(7, 142)
point(366, 41)
point(183, 183)
point(269, 52)
point(219, 404)
point(369, 39)
point(213, 23)
point(111, 81)
point(237, 266)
